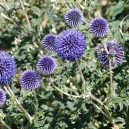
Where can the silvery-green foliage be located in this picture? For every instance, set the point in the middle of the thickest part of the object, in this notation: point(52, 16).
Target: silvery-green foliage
point(56, 110)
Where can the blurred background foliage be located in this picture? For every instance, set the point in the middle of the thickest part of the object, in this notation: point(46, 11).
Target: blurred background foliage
point(23, 24)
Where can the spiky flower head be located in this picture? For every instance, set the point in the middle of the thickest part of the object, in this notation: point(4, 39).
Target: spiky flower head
point(70, 44)
point(2, 97)
point(115, 53)
point(30, 80)
point(48, 42)
point(46, 65)
point(99, 27)
point(74, 17)
point(7, 67)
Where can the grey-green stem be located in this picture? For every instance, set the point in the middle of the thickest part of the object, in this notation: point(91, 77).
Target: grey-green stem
point(36, 100)
point(82, 77)
point(106, 112)
point(69, 95)
point(6, 126)
point(110, 70)
point(111, 86)
point(11, 94)
point(27, 19)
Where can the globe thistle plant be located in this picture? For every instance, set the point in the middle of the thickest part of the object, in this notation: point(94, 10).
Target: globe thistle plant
point(2, 97)
point(48, 42)
point(30, 80)
point(70, 44)
point(46, 65)
point(74, 17)
point(115, 53)
point(7, 67)
point(99, 27)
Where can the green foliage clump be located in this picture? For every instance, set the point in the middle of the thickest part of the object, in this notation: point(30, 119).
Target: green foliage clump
point(77, 95)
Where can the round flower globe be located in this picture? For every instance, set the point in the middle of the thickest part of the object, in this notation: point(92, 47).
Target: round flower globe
point(48, 42)
point(2, 97)
point(46, 65)
point(99, 27)
point(7, 67)
point(115, 52)
point(70, 44)
point(74, 17)
point(30, 80)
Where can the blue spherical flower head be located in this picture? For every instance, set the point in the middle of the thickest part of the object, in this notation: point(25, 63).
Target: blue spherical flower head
point(30, 80)
point(48, 42)
point(74, 17)
point(7, 67)
point(99, 27)
point(46, 65)
point(115, 53)
point(70, 44)
point(2, 97)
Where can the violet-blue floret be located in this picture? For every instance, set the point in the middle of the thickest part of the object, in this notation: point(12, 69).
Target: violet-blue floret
point(2, 97)
point(115, 52)
point(70, 44)
point(46, 65)
point(30, 80)
point(48, 42)
point(7, 67)
point(99, 27)
point(74, 17)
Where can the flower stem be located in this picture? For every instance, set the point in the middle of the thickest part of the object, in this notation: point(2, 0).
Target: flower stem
point(66, 4)
point(6, 4)
point(5, 124)
point(13, 21)
point(81, 6)
point(27, 19)
point(11, 94)
point(110, 70)
point(7, 91)
point(82, 77)
point(36, 100)
point(6, 17)
point(69, 95)
point(106, 111)
point(111, 86)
